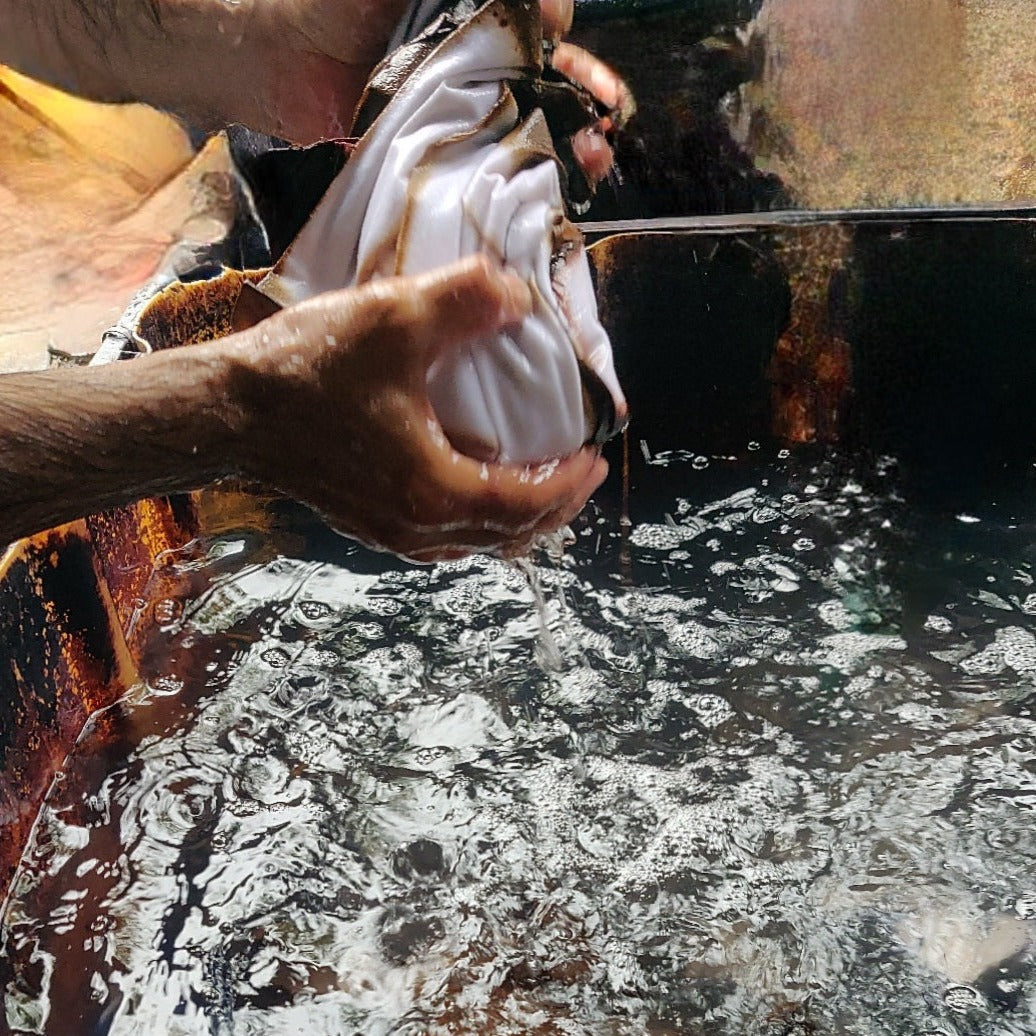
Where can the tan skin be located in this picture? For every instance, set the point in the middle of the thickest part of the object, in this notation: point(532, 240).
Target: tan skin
point(326, 401)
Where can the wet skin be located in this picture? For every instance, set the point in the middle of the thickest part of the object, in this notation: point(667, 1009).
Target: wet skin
point(326, 401)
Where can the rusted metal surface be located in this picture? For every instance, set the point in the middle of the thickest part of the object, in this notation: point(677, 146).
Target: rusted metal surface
point(67, 621)
point(908, 336)
point(77, 603)
point(129, 543)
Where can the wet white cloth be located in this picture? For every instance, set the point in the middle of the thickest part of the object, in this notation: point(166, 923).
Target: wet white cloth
point(448, 169)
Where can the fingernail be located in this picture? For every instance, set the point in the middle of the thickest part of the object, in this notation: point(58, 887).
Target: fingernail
point(517, 300)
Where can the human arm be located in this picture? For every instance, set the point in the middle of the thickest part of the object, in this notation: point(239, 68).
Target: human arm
point(291, 68)
point(326, 402)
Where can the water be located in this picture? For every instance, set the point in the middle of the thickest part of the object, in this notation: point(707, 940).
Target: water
point(761, 762)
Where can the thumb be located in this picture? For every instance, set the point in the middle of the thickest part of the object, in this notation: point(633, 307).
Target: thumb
point(465, 300)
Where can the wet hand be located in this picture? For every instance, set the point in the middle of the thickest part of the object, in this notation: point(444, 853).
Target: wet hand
point(335, 412)
point(590, 145)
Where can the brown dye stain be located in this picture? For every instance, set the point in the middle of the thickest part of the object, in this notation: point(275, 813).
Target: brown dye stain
point(895, 102)
point(183, 314)
point(129, 543)
point(811, 370)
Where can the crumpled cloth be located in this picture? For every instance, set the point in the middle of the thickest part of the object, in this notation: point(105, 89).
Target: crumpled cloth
point(449, 166)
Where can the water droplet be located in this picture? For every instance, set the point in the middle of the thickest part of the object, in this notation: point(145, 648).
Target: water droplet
point(163, 685)
point(167, 611)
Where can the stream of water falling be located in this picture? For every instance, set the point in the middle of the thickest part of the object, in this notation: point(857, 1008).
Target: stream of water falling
point(775, 777)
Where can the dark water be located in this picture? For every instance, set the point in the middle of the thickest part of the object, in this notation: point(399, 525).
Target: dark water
point(761, 762)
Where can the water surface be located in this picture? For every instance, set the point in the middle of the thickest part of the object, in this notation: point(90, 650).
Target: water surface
point(757, 761)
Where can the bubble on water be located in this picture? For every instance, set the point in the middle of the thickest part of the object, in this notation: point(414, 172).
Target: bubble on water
point(859, 685)
point(846, 651)
point(1012, 648)
point(275, 657)
point(712, 710)
point(835, 614)
point(581, 686)
point(367, 630)
point(938, 624)
point(1025, 906)
point(167, 611)
point(693, 640)
point(656, 537)
point(315, 611)
point(961, 999)
point(165, 684)
point(374, 604)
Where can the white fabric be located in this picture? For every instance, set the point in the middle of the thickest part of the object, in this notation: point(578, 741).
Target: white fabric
point(441, 174)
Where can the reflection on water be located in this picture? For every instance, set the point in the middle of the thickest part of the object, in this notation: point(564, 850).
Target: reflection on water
point(761, 763)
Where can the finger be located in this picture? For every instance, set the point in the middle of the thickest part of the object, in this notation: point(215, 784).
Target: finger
point(602, 81)
point(593, 153)
point(436, 519)
point(465, 300)
point(557, 18)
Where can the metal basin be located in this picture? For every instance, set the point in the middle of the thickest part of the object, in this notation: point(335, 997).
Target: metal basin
point(850, 320)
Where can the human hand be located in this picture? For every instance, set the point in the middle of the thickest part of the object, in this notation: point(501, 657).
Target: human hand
point(291, 68)
point(334, 412)
point(296, 68)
